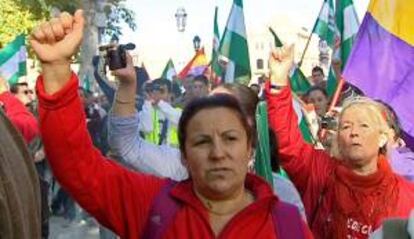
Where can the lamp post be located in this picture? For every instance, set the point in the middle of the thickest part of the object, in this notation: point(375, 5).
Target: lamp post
point(196, 43)
point(181, 18)
point(181, 21)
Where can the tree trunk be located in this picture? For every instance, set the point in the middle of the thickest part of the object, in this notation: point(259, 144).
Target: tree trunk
point(90, 43)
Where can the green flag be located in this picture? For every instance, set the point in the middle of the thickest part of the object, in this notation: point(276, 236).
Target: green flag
point(215, 66)
point(169, 71)
point(325, 28)
point(325, 24)
point(298, 81)
point(233, 46)
point(262, 164)
point(347, 23)
point(13, 60)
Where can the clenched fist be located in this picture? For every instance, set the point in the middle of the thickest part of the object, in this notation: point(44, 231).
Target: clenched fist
point(55, 42)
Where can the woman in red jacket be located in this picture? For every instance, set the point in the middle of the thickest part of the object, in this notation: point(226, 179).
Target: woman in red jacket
point(220, 200)
point(347, 196)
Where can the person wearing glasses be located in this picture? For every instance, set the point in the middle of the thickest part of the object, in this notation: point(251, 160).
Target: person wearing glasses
point(159, 119)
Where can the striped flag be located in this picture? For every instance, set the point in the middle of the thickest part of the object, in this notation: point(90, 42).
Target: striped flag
point(216, 71)
point(13, 60)
point(196, 66)
point(325, 24)
point(347, 24)
point(169, 71)
point(233, 46)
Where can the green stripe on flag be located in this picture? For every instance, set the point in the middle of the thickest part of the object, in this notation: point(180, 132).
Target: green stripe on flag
point(13, 60)
point(234, 46)
point(262, 163)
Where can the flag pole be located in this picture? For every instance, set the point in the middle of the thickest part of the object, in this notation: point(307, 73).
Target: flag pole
point(334, 102)
point(310, 37)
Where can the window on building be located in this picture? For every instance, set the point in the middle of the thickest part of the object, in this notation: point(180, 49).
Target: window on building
point(259, 64)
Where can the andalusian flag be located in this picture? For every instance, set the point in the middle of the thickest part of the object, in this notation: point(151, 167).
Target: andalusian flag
point(169, 71)
point(347, 24)
point(325, 28)
point(325, 24)
point(216, 70)
point(13, 60)
point(233, 47)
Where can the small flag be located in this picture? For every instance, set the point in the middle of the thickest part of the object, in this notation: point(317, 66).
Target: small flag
point(233, 46)
point(13, 60)
point(216, 70)
point(169, 71)
point(196, 66)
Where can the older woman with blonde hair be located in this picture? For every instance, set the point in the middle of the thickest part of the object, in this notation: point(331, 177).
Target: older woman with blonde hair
point(345, 198)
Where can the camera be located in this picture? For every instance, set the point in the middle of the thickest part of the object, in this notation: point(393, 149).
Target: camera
point(329, 122)
point(115, 55)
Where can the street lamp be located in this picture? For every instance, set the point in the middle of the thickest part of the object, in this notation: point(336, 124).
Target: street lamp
point(196, 43)
point(181, 17)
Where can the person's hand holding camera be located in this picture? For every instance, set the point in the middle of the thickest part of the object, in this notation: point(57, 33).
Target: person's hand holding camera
point(126, 76)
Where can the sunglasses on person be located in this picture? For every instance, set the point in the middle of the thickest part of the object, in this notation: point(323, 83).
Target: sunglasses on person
point(26, 92)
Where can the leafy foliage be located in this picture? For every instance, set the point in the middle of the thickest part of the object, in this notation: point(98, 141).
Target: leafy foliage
point(14, 20)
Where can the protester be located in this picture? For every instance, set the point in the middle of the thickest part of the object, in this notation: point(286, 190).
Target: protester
point(319, 98)
point(18, 114)
point(219, 200)
point(346, 197)
point(400, 156)
point(318, 77)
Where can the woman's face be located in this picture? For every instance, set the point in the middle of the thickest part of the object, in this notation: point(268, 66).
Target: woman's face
point(217, 152)
point(359, 136)
point(319, 100)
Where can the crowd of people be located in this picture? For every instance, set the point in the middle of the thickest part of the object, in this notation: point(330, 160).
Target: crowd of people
point(174, 159)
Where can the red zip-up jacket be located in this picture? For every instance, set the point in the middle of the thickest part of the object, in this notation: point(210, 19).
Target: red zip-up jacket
point(20, 116)
point(310, 169)
point(121, 199)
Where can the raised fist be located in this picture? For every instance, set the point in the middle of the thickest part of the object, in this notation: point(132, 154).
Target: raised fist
point(57, 40)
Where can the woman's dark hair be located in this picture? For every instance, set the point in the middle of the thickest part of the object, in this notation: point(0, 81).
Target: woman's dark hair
point(247, 97)
point(315, 88)
point(208, 102)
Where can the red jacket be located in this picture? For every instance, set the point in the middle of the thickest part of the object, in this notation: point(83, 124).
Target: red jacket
point(121, 199)
point(310, 169)
point(20, 116)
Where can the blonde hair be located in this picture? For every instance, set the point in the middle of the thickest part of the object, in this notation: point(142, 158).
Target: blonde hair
point(375, 111)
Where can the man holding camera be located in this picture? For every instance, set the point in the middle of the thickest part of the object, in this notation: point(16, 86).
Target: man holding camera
point(158, 119)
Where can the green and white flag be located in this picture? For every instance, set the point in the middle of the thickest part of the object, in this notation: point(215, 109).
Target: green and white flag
point(347, 23)
point(13, 60)
point(169, 71)
point(325, 28)
point(215, 66)
point(325, 24)
point(233, 46)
